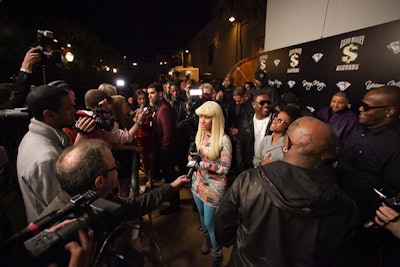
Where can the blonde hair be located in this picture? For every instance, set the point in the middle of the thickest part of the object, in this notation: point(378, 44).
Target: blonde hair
point(108, 89)
point(214, 110)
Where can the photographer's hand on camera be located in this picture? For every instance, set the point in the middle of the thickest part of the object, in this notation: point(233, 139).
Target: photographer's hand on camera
point(388, 218)
point(84, 126)
point(31, 58)
point(83, 253)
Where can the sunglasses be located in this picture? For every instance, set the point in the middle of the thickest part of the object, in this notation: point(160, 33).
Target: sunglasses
point(367, 107)
point(116, 168)
point(279, 120)
point(263, 102)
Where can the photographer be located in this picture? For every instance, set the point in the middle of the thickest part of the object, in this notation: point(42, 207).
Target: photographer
point(52, 110)
point(101, 123)
point(17, 93)
point(90, 165)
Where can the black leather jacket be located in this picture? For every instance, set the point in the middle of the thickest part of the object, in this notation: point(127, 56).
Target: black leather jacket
point(298, 218)
point(245, 141)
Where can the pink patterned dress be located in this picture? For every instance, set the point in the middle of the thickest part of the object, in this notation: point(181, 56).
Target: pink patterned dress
point(209, 182)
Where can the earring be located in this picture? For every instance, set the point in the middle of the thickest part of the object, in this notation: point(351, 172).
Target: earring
point(387, 116)
point(285, 149)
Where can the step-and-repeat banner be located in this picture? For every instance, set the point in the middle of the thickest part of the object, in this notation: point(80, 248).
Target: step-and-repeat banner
point(353, 62)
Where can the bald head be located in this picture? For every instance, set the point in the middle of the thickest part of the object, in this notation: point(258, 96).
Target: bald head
point(79, 165)
point(309, 139)
point(390, 95)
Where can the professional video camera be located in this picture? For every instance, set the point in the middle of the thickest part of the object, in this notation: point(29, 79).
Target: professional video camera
point(393, 202)
point(37, 246)
point(49, 49)
point(101, 122)
point(193, 164)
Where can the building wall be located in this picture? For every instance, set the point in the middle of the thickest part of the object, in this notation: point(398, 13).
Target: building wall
point(291, 22)
point(223, 36)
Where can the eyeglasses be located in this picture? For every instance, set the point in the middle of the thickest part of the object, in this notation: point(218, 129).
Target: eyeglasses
point(116, 168)
point(367, 107)
point(279, 120)
point(263, 102)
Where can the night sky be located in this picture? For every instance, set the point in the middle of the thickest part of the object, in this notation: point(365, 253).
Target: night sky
point(136, 28)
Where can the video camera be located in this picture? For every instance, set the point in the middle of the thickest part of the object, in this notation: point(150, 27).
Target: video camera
point(393, 202)
point(36, 246)
point(98, 116)
point(48, 48)
point(193, 164)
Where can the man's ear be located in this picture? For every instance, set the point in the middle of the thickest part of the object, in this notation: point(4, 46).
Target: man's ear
point(98, 182)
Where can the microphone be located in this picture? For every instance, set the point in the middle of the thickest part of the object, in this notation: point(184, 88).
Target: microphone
point(193, 164)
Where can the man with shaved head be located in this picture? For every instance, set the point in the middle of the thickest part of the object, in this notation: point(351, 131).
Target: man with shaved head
point(290, 212)
point(369, 161)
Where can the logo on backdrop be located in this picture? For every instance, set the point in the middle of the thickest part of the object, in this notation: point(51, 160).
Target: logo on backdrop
point(276, 62)
point(294, 55)
point(371, 84)
point(349, 48)
point(291, 83)
point(317, 57)
point(263, 62)
point(343, 85)
point(275, 82)
point(318, 84)
point(394, 47)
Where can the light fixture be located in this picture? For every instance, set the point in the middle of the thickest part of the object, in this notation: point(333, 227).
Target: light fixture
point(232, 19)
point(69, 56)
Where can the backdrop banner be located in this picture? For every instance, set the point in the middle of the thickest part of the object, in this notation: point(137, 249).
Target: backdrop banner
point(353, 62)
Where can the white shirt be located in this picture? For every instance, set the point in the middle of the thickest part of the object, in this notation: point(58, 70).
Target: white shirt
point(260, 127)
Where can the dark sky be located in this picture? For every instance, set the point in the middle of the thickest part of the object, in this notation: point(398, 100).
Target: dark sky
point(136, 28)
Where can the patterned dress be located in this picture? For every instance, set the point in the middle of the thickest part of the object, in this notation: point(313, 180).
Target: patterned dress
point(209, 182)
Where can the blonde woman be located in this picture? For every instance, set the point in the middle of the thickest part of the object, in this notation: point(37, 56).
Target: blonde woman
point(209, 182)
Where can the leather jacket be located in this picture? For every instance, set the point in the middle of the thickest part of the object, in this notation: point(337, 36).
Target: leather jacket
point(297, 217)
point(245, 142)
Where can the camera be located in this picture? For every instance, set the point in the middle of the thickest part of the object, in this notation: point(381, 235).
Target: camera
point(47, 47)
point(195, 91)
point(37, 246)
point(98, 116)
point(393, 202)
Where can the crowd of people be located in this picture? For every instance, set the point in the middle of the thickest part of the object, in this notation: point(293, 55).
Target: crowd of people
point(283, 185)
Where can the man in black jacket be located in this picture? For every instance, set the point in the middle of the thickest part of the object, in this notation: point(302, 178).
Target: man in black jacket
point(290, 212)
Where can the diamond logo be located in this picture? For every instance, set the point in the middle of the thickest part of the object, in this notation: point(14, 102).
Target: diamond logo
point(317, 56)
point(343, 85)
point(276, 62)
point(291, 83)
point(394, 47)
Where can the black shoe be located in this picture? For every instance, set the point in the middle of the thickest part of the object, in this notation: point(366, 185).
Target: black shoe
point(169, 210)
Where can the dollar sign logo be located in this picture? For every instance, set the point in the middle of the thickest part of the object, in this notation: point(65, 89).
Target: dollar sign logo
point(263, 64)
point(349, 54)
point(293, 60)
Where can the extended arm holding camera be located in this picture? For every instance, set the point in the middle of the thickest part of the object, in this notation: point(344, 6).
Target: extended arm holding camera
point(23, 83)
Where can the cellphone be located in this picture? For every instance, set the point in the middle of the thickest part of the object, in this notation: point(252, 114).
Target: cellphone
point(145, 109)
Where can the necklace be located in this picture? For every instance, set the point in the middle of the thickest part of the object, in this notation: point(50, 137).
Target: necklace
point(260, 125)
